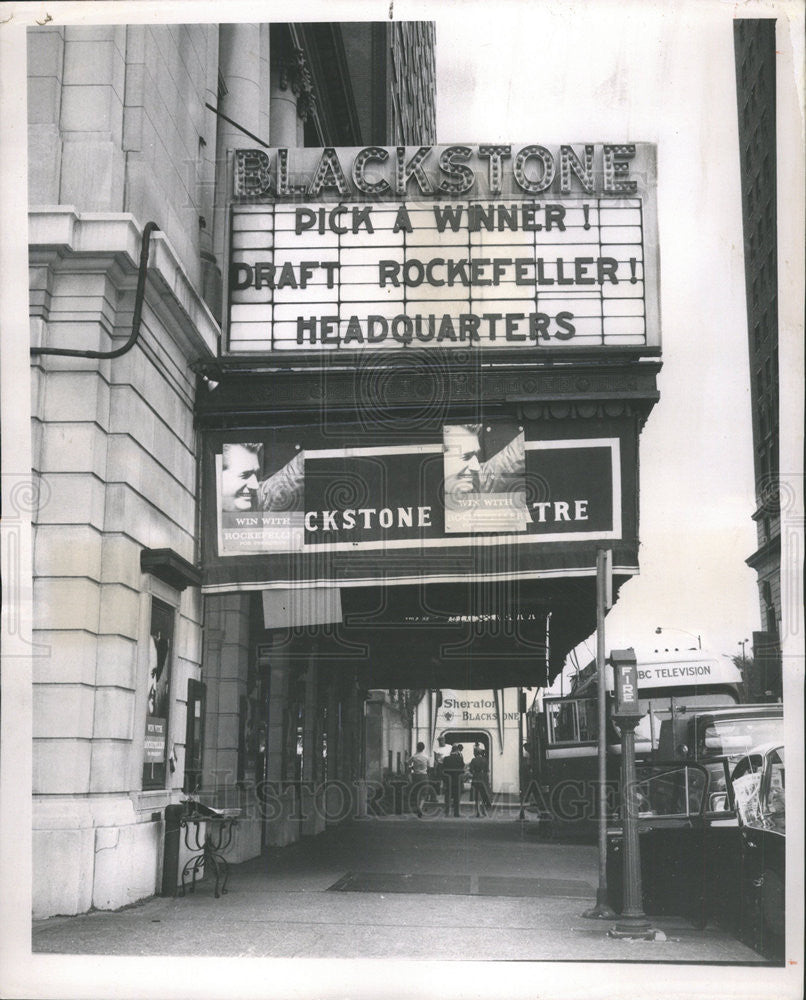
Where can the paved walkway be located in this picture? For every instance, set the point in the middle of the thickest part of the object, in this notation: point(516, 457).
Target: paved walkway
point(439, 889)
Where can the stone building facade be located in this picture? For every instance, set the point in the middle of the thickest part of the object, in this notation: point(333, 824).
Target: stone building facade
point(151, 691)
point(179, 667)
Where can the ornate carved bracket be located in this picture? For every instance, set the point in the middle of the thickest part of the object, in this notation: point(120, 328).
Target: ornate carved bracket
point(294, 75)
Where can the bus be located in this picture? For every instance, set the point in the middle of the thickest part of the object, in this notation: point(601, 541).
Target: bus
point(493, 719)
point(562, 731)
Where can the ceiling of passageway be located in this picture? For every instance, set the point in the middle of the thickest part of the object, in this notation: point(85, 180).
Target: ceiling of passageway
point(463, 636)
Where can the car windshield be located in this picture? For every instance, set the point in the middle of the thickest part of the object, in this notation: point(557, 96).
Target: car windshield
point(735, 736)
point(658, 709)
point(671, 792)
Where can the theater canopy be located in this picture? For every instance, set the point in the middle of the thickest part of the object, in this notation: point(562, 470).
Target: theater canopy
point(452, 635)
point(452, 548)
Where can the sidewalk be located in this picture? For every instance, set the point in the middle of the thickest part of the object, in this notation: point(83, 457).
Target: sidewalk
point(395, 887)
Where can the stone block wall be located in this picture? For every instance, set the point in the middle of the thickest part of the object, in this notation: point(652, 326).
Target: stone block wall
point(118, 122)
point(115, 454)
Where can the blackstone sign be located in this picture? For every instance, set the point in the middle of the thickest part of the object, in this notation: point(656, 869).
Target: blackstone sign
point(488, 247)
point(309, 505)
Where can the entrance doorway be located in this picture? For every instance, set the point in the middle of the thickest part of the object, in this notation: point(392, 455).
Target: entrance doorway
point(468, 738)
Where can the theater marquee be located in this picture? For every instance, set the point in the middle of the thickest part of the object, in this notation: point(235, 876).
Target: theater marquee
point(486, 247)
point(293, 505)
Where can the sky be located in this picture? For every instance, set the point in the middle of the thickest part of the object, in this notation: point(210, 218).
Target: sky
point(547, 73)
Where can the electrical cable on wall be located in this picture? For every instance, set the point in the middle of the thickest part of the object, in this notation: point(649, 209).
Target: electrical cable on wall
point(68, 352)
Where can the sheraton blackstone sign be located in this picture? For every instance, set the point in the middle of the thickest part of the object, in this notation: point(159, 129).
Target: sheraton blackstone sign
point(482, 247)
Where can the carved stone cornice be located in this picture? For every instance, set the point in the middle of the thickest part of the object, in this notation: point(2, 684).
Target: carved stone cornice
point(584, 392)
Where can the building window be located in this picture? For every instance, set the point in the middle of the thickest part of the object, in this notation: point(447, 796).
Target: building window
point(293, 765)
point(765, 466)
point(251, 736)
point(194, 735)
point(160, 655)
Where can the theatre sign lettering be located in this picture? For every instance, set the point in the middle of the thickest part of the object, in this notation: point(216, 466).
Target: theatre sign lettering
point(486, 247)
point(308, 505)
point(275, 496)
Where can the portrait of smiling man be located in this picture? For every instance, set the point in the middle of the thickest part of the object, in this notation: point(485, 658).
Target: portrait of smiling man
point(462, 465)
point(260, 505)
point(240, 475)
point(482, 495)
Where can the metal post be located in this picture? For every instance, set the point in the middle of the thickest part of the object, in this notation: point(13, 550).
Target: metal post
point(170, 851)
point(633, 922)
point(601, 911)
point(745, 679)
point(522, 767)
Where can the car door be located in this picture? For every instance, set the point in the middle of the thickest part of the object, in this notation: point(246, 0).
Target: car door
point(723, 848)
point(763, 844)
point(671, 828)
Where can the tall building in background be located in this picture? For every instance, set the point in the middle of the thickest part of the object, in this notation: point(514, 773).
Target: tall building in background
point(754, 43)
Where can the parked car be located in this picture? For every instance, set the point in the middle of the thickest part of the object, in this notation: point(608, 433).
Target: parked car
point(721, 731)
point(712, 838)
point(671, 803)
point(751, 879)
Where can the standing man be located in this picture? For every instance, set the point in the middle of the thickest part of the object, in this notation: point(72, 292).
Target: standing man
point(441, 751)
point(479, 768)
point(526, 790)
point(419, 778)
point(453, 769)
